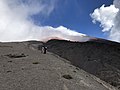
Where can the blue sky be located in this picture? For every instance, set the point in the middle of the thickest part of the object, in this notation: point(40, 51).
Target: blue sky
point(22, 20)
point(75, 15)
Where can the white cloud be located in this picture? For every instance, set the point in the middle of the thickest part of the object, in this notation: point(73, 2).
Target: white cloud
point(105, 15)
point(109, 18)
point(16, 25)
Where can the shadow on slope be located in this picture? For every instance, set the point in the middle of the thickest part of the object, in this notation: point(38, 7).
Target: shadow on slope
point(99, 57)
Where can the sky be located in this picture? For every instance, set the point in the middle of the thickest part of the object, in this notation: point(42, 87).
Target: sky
point(74, 20)
point(75, 14)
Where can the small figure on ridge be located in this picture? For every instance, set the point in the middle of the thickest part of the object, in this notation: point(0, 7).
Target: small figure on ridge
point(44, 49)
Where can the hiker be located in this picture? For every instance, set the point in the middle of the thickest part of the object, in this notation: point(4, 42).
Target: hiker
point(44, 49)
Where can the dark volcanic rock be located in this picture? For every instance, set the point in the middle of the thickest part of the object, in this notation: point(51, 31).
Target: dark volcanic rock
point(99, 57)
point(16, 55)
point(39, 71)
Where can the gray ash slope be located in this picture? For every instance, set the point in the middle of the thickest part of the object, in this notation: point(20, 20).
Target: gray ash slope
point(98, 57)
point(23, 67)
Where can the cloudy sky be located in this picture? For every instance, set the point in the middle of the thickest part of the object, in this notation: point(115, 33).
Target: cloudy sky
point(66, 19)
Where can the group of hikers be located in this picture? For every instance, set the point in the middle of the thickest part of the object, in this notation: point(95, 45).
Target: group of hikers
point(44, 49)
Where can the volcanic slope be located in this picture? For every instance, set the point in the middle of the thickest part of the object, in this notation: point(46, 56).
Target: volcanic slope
point(23, 67)
point(99, 57)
